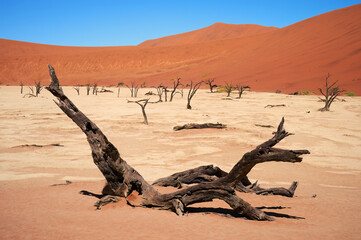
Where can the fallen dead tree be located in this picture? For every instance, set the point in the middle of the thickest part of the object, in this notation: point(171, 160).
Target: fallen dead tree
point(199, 126)
point(125, 181)
point(209, 173)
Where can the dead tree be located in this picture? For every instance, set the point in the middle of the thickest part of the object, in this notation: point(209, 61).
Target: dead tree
point(36, 92)
point(330, 94)
point(87, 89)
point(134, 88)
point(159, 89)
point(180, 91)
point(191, 92)
point(209, 173)
point(209, 82)
point(120, 84)
point(228, 87)
point(142, 103)
point(123, 180)
point(77, 89)
point(38, 88)
point(95, 89)
point(176, 84)
point(240, 90)
point(21, 87)
point(166, 91)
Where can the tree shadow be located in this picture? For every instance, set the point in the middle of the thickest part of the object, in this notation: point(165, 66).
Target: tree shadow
point(87, 193)
point(225, 212)
point(232, 214)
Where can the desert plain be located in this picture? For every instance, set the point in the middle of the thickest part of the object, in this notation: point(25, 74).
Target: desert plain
point(326, 204)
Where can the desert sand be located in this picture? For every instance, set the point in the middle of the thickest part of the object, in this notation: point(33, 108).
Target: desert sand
point(33, 209)
point(294, 58)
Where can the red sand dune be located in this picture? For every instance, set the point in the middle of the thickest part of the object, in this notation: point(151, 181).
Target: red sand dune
point(296, 57)
point(213, 32)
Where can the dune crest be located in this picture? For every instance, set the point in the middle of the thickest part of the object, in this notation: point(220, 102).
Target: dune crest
point(213, 32)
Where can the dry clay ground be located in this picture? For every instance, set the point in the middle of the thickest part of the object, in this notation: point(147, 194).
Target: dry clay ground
point(32, 209)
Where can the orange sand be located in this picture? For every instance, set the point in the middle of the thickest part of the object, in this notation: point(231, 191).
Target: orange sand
point(32, 209)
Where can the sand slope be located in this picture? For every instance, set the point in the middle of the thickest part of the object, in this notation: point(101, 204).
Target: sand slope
point(213, 32)
point(297, 57)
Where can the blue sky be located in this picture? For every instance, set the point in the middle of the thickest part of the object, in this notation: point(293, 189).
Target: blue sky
point(130, 22)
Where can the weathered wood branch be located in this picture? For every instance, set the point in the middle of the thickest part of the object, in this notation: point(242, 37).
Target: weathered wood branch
point(277, 105)
point(192, 91)
point(123, 180)
point(199, 126)
point(209, 173)
point(330, 94)
point(142, 103)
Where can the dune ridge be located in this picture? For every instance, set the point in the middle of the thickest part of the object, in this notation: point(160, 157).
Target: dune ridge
point(293, 58)
point(213, 32)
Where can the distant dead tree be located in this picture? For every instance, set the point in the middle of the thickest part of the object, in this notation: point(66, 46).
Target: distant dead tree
point(228, 88)
point(36, 92)
point(38, 88)
point(180, 91)
point(120, 84)
point(77, 89)
point(134, 88)
point(21, 87)
point(95, 89)
point(192, 90)
point(176, 84)
point(159, 89)
point(209, 82)
point(330, 94)
point(240, 89)
point(88, 89)
point(142, 103)
point(166, 91)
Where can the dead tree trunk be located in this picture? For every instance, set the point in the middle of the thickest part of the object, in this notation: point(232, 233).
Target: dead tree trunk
point(165, 90)
point(240, 90)
point(142, 103)
point(330, 94)
point(122, 179)
point(87, 89)
point(134, 88)
point(77, 89)
point(191, 92)
point(209, 82)
point(95, 89)
point(210, 173)
point(21, 87)
point(229, 89)
point(159, 92)
point(176, 84)
point(38, 88)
